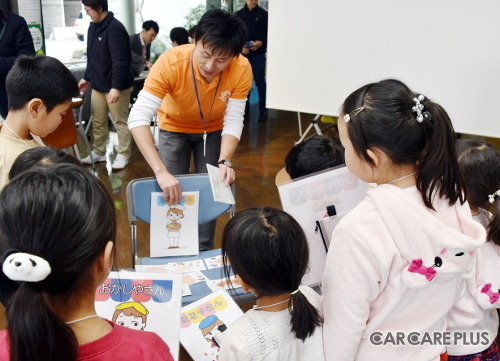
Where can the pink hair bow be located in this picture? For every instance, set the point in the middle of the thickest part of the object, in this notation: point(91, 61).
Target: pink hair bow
point(417, 266)
point(494, 296)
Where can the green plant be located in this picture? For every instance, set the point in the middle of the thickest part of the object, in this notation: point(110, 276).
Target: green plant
point(194, 16)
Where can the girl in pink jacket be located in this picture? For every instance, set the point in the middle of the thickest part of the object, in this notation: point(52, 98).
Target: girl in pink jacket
point(397, 261)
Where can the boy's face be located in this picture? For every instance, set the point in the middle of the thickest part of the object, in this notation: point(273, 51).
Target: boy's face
point(45, 123)
point(131, 321)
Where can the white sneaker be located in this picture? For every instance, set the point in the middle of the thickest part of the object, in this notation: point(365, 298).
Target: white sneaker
point(120, 162)
point(96, 158)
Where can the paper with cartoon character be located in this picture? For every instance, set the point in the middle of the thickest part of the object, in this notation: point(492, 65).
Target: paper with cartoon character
point(203, 324)
point(174, 228)
point(143, 301)
point(307, 199)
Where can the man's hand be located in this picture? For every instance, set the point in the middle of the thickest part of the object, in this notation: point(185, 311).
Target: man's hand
point(256, 44)
point(170, 187)
point(226, 174)
point(113, 95)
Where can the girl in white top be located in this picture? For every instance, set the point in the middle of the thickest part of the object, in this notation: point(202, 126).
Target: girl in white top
point(396, 262)
point(267, 250)
point(474, 315)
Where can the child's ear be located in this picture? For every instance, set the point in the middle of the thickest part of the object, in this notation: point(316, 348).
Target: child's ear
point(378, 156)
point(104, 263)
point(243, 284)
point(35, 105)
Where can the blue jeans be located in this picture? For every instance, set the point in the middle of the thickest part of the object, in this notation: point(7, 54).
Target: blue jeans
point(258, 63)
point(175, 152)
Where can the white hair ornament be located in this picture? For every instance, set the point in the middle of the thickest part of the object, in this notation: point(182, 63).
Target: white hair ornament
point(26, 267)
point(419, 107)
point(491, 197)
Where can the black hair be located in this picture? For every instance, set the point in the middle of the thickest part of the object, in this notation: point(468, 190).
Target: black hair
point(222, 32)
point(192, 32)
point(41, 77)
point(180, 35)
point(148, 24)
point(480, 166)
point(98, 5)
point(64, 215)
point(40, 157)
point(389, 123)
point(313, 155)
point(268, 249)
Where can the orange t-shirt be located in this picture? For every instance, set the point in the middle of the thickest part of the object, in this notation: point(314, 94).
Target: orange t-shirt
point(171, 79)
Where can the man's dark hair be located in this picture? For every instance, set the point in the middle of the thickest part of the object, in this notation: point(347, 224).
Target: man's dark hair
point(179, 35)
point(41, 77)
point(148, 24)
point(97, 5)
point(222, 32)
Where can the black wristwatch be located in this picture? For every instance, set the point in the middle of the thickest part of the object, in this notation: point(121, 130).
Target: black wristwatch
point(225, 162)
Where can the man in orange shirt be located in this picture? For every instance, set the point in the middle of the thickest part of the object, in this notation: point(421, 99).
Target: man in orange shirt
point(199, 92)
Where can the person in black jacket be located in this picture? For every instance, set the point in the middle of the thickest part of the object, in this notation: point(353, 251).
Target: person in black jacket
point(255, 48)
point(109, 74)
point(15, 40)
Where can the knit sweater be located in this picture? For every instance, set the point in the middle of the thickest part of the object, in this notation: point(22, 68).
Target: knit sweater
point(266, 336)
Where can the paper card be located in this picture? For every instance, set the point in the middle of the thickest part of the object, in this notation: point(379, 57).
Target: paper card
point(213, 262)
point(151, 268)
point(215, 285)
point(222, 192)
point(193, 277)
point(203, 323)
point(186, 266)
point(186, 291)
point(143, 301)
point(174, 228)
point(307, 199)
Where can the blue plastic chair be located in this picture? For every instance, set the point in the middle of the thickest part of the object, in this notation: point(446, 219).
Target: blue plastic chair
point(139, 206)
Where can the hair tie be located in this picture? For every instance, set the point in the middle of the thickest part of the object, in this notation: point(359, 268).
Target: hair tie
point(19, 266)
point(294, 292)
point(419, 107)
point(347, 117)
point(491, 197)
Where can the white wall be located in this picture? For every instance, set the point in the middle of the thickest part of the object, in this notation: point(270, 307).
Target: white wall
point(449, 50)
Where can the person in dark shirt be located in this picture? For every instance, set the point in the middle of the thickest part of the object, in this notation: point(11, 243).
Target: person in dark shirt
point(255, 49)
point(15, 40)
point(109, 74)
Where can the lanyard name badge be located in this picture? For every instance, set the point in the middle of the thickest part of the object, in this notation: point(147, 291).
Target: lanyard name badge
point(202, 116)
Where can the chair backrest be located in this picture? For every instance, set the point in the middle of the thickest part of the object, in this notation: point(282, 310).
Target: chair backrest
point(65, 135)
point(139, 197)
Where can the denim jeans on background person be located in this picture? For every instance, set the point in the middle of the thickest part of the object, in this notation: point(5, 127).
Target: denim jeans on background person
point(175, 152)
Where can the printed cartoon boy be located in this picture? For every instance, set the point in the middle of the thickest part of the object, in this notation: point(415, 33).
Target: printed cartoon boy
point(212, 328)
point(174, 213)
point(131, 315)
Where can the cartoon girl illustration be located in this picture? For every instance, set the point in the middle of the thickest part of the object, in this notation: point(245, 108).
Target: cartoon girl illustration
point(174, 213)
point(131, 315)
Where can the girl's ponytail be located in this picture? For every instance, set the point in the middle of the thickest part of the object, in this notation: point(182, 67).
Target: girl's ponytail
point(36, 333)
point(494, 223)
point(305, 317)
point(438, 167)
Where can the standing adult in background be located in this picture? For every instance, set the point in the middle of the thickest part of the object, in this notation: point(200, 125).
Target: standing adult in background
point(179, 36)
point(108, 73)
point(255, 48)
point(140, 45)
point(15, 40)
point(200, 90)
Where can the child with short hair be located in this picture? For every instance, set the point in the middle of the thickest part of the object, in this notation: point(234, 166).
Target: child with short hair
point(268, 252)
point(313, 155)
point(40, 157)
point(396, 262)
point(475, 314)
point(57, 233)
point(40, 90)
